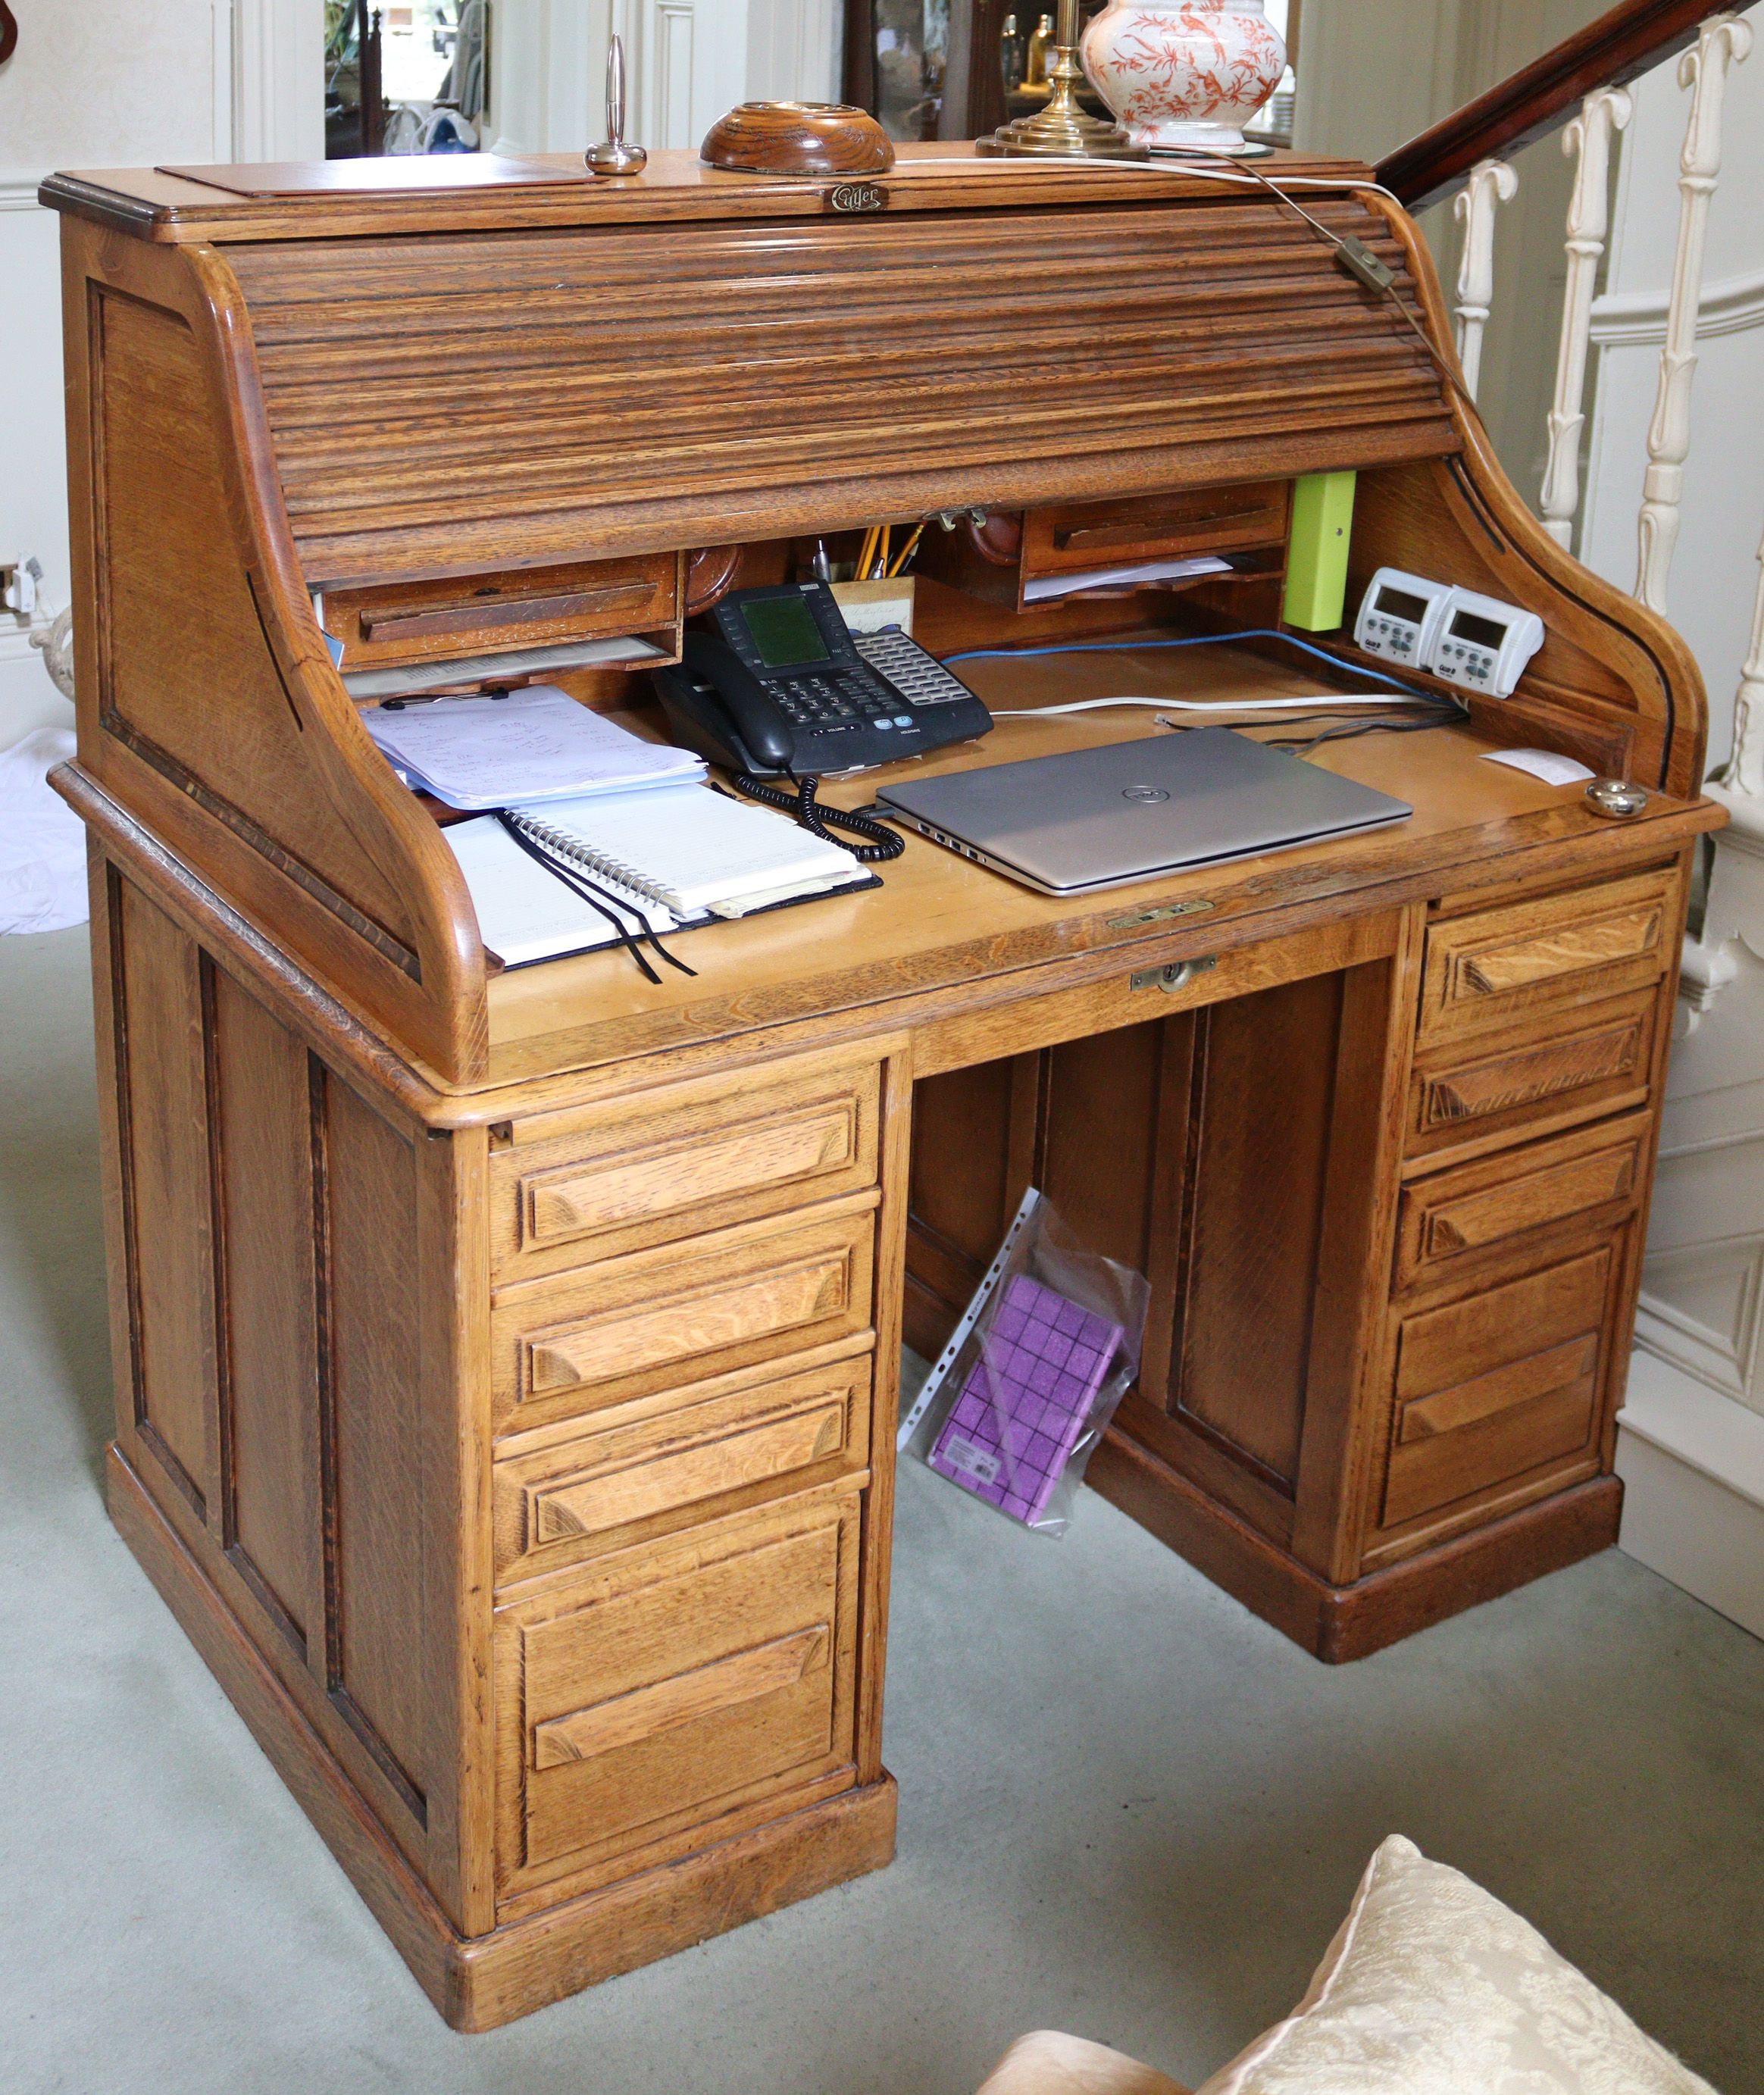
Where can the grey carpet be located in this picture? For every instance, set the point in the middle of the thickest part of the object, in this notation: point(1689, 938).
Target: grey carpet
point(1129, 1809)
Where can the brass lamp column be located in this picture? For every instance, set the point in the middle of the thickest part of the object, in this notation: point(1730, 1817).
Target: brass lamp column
point(1061, 130)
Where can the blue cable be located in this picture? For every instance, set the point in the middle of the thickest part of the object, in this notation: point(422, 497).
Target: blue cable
point(1204, 640)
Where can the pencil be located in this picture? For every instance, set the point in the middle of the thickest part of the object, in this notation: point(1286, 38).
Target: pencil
point(905, 553)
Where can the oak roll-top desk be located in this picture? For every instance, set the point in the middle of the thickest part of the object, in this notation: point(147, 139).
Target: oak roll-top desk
point(506, 1363)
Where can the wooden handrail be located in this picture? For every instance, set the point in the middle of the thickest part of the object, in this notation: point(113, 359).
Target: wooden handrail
point(1633, 36)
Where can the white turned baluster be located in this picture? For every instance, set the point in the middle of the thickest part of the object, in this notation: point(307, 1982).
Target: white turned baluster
point(1746, 767)
point(1492, 183)
point(1723, 41)
point(1603, 114)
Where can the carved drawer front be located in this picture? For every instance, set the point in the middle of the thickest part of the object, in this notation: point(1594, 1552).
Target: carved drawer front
point(1501, 965)
point(676, 1163)
point(669, 1687)
point(669, 1458)
point(1499, 1384)
point(657, 1319)
point(1489, 1207)
point(1476, 1095)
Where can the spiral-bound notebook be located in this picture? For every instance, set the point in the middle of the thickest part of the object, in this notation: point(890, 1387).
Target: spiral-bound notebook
point(660, 860)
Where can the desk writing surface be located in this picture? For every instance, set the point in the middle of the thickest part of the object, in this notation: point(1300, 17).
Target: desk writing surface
point(940, 921)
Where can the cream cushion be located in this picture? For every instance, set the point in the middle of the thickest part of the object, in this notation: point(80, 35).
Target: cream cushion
point(1049, 2062)
point(1433, 1987)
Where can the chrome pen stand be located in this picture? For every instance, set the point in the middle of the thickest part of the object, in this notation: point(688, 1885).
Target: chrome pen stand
point(1060, 130)
point(613, 156)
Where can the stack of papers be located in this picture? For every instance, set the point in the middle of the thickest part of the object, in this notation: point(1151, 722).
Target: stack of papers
point(1043, 589)
point(533, 745)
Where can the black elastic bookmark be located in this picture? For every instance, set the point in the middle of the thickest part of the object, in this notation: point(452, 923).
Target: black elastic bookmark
point(597, 899)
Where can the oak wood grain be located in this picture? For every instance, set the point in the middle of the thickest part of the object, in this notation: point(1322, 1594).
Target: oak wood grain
point(1487, 969)
point(1476, 1209)
point(647, 1467)
point(661, 1688)
point(572, 1342)
point(681, 1160)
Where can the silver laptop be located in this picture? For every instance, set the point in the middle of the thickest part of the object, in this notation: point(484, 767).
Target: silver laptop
point(1093, 818)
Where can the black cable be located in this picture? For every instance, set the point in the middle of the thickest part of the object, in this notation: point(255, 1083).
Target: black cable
point(1356, 263)
point(597, 899)
point(883, 844)
point(1349, 731)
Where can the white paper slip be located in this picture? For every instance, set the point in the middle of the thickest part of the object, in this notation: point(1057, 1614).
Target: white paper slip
point(1044, 587)
point(1543, 764)
point(695, 849)
point(533, 745)
point(525, 913)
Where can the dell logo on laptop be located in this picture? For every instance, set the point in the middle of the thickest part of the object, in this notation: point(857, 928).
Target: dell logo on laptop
point(1147, 793)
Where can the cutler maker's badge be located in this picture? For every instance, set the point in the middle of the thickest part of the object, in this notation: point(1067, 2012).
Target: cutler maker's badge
point(856, 196)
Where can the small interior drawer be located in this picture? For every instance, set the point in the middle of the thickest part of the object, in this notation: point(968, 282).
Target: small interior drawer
point(1501, 965)
point(1073, 536)
point(1474, 1095)
point(392, 623)
point(679, 1162)
point(657, 1319)
point(664, 1688)
point(1488, 1208)
point(670, 1456)
point(1504, 1382)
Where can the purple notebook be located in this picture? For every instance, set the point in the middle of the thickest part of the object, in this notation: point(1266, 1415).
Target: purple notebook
point(1025, 1400)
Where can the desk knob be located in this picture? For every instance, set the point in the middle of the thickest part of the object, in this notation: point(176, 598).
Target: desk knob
point(1616, 799)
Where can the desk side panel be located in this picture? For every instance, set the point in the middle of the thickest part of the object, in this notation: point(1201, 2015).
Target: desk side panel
point(300, 1387)
point(207, 704)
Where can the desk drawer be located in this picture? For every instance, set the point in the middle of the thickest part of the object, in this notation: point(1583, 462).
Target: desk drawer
point(633, 1327)
point(669, 1686)
point(1475, 1211)
point(666, 1458)
point(682, 1161)
point(1501, 1382)
point(393, 623)
point(1074, 537)
point(1476, 1095)
point(1500, 966)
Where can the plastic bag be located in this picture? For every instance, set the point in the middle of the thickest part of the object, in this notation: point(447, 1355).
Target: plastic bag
point(1031, 1376)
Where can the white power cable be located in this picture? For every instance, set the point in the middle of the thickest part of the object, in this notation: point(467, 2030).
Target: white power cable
point(1327, 700)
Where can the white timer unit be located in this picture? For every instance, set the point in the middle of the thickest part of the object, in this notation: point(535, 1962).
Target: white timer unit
point(1475, 641)
point(1400, 617)
point(1483, 644)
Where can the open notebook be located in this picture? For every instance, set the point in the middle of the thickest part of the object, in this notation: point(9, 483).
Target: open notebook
point(653, 861)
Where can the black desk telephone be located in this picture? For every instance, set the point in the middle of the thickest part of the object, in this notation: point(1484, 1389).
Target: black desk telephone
point(783, 684)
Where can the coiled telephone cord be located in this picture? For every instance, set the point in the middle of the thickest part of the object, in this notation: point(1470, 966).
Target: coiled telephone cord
point(883, 843)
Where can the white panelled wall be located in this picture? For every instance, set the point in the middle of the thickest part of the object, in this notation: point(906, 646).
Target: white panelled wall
point(109, 84)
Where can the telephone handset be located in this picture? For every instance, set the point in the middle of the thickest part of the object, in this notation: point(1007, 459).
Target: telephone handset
point(783, 684)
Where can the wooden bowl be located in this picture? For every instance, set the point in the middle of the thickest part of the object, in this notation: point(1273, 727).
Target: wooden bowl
point(797, 138)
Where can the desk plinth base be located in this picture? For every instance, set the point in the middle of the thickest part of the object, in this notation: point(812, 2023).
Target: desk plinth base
point(480, 1982)
point(1337, 1623)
